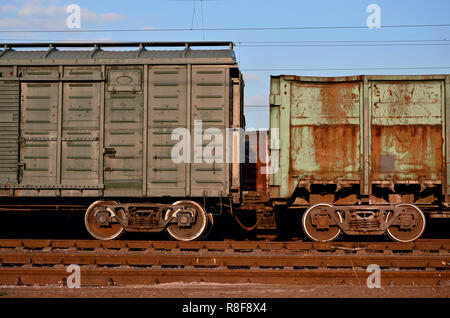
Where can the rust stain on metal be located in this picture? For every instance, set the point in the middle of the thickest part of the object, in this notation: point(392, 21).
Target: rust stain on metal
point(255, 177)
point(407, 130)
point(416, 151)
point(335, 148)
point(325, 131)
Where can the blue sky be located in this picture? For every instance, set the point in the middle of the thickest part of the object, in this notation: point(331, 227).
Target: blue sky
point(52, 15)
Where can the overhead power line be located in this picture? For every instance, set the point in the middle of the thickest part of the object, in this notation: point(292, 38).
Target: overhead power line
point(257, 42)
point(344, 45)
point(344, 69)
point(228, 29)
point(339, 41)
point(256, 106)
point(281, 44)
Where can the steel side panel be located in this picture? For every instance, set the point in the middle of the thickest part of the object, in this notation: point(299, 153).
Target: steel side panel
point(446, 99)
point(80, 132)
point(406, 129)
point(9, 127)
point(285, 149)
point(275, 101)
point(39, 133)
point(324, 132)
point(123, 131)
point(167, 110)
point(210, 107)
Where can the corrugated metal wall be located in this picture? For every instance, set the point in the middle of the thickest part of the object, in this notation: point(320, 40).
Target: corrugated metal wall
point(9, 130)
point(167, 110)
point(210, 105)
point(39, 133)
point(107, 130)
point(124, 104)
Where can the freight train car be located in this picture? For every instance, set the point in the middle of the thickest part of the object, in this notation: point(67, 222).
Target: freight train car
point(362, 154)
point(149, 140)
point(96, 125)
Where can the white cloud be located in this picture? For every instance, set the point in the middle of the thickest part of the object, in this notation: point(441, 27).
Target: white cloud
point(7, 8)
point(257, 99)
point(29, 10)
point(90, 16)
point(38, 15)
point(251, 77)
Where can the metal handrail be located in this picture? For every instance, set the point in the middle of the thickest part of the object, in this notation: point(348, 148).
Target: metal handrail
point(54, 45)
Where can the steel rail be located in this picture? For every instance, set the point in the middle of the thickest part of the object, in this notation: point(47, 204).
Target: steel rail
point(430, 245)
point(224, 260)
point(30, 262)
point(127, 276)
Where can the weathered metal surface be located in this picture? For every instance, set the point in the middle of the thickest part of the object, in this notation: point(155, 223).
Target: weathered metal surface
point(255, 168)
point(168, 110)
point(9, 127)
point(42, 261)
point(358, 130)
point(99, 122)
point(123, 158)
point(322, 126)
point(407, 130)
point(237, 121)
point(433, 246)
point(210, 106)
point(80, 133)
point(94, 53)
point(215, 260)
point(139, 276)
point(38, 132)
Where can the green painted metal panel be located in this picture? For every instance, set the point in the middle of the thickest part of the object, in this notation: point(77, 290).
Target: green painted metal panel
point(366, 130)
point(167, 110)
point(82, 73)
point(275, 102)
point(319, 132)
point(406, 130)
point(38, 131)
point(209, 170)
point(82, 124)
point(123, 136)
point(80, 133)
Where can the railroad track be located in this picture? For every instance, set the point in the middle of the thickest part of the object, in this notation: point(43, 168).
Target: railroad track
point(31, 262)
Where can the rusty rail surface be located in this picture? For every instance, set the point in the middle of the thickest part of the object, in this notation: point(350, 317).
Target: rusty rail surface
point(29, 262)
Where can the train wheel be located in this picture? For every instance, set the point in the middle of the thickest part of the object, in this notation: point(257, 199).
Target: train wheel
point(409, 234)
point(320, 227)
point(209, 227)
point(190, 232)
point(98, 231)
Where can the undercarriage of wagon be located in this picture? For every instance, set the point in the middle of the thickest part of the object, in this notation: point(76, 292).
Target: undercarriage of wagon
point(324, 222)
point(183, 220)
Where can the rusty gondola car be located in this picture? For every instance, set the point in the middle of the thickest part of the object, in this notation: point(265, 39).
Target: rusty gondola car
point(362, 154)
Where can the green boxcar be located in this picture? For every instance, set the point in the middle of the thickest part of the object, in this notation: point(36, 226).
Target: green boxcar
point(98, 123)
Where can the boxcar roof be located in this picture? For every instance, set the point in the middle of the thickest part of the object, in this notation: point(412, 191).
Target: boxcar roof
point(26, 53)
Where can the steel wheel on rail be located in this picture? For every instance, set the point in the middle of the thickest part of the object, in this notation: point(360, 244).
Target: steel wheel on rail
point(396, 233)
point(209, 227)
point(329, 231)
point(110, 231)
point(192, 231)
